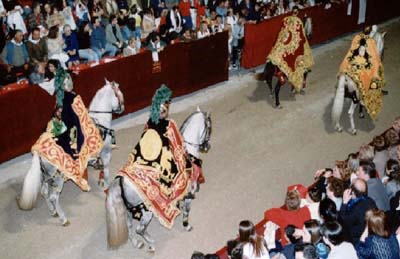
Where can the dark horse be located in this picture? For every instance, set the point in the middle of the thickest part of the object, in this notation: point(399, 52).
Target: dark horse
point(271, 70)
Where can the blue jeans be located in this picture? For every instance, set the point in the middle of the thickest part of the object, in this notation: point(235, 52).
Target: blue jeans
point(127, 34)
point(88, 54)
point(110, 50)
point(188, 22)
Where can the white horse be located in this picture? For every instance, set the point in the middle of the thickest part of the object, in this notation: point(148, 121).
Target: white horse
point(47, 179)
point(108, 100)
point(345, 82)
point(379, 38)
point(122, 197)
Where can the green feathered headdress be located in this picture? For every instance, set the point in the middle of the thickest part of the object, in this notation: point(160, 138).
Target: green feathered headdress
point(162, 95)
point(59, 79)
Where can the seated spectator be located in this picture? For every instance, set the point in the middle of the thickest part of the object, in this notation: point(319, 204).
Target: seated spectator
point(68, 16)
point(155, 44)
point(55, 46)
point(314, 229)
point(47, 12)
point(203, 31)
point(110, 8)
point(122, 4)
point(36, 47)
point(381, 154)
point(255, 16)
point(252, 244)
point(51, 69)
point(38, 74)
point(218, 25)
point(85, 52)
point(131, 48)
point(36, 18)
point(292, 214)
point(313, 197)
point(281, 8)
point(305, 251)
point(56, 18)
point(148, 23)
point(157, 6)
point(71, 46)
point(376, 190)
point(328, 210)
point(334, 191)
point(174, 21)
point(14, 20)
point(222, 8)
point(186, 36)
point(97, 9)
point(129, 30)
point(392, 141)
point(98, 42)
point(334, 237)
point(295, 4)
point(352, 212)
point(393, 183)
point(377, 241)
point(113, 33)
point(15, 56)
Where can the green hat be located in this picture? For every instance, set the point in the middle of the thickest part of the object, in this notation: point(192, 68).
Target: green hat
point(162, 95)
point(59, 78)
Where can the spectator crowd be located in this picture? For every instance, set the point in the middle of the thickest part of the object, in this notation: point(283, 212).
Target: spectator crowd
point(69, 32)
point(350, 211)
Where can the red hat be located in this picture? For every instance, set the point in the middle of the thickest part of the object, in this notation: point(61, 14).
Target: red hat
point(300, 188)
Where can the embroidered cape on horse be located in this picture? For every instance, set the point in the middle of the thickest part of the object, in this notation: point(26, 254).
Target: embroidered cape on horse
point(291, 52)
point(366, 70)
point(160, 170)
point(70, 141)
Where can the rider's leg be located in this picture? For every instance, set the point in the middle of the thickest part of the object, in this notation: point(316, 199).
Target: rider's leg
point(276, 91)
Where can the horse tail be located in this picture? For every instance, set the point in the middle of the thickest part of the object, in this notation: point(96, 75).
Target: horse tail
point(338, 102)
point(116, 216)
point(31, 186)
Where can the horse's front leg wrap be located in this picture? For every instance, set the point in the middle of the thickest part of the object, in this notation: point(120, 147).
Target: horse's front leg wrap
point(185, 207)
point(351, 117)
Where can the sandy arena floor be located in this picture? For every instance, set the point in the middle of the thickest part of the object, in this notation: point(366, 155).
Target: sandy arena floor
point(256, 152)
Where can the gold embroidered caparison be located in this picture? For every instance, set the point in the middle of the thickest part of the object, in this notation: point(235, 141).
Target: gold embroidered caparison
point(290, 39)
point(366, 72)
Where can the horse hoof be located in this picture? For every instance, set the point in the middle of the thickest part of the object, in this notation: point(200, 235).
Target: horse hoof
point(353, 132)
point(189, 228)
point(54, 214)
point(151, 249)
point(278, 107)
point(139, 245)
point(66, 223)
point(361, 116)
point(101, 183)
point(338, 129)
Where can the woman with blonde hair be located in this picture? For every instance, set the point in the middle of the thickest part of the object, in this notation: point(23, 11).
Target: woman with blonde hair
point(377, 241)
point(252, 244)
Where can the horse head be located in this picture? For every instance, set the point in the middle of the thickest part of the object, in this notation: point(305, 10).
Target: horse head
point(196, 131)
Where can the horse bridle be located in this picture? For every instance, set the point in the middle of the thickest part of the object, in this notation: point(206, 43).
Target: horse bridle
point(204, 146)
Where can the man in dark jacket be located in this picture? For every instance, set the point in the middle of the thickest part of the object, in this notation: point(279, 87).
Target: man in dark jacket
point(352, 212)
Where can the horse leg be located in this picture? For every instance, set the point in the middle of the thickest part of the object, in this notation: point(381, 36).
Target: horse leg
point(135, 242)
point(276, 91)
point(142, 227)
point(105, 155)
point(351, 117)
point(361, 111)
point(185, 207)
point(45, 193)
point(55, 199)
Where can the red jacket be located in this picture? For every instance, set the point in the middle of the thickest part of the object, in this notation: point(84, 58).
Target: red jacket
point(184, 8)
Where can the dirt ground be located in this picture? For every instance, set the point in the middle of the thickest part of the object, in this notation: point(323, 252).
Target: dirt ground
point(256, 153)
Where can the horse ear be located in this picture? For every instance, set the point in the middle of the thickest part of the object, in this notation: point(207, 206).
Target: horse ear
point(384, 34)
point(198, 109)
point(208, 114)
point(107, 82)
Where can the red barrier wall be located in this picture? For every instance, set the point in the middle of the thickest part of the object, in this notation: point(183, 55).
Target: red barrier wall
point(186, 67)
point(327, 25)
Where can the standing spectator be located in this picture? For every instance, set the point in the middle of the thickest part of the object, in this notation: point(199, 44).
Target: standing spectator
point(238, 40)
point(36, 47)
point(311, 201)
point(184, 9)
point(85, 51)
point(381, 154)
point(313, 228)
point(334, 191)
point(71, 46)
point(392, 140)
point(327, 210)
point(334, 237)
point(15, 56)
point(82, 12)
point(157, 6)
point(36, 18)
point(47, 12)
point(393, 184)
point(113, 33)
point(305, 251)
point(291, 215)
point(376, 190)
point(138, 19)
point(253, 245)
point(15, 20)
point(355, 203)
point(377, 242)
point(68, 17)
point(55, 46)
point(149, 24)
point(38, 74)
point(174, 21)
point(98, 42)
